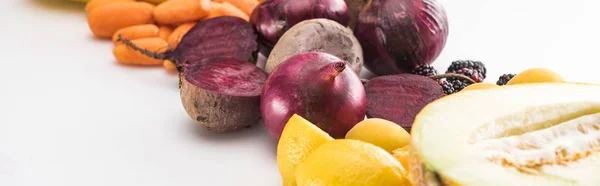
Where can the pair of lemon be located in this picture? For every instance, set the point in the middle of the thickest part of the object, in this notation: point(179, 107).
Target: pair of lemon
point(306, 155)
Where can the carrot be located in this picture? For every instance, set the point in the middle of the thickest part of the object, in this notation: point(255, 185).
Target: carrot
point(247, 6)
point(179, 11)
point(169, 65)
point(214, 4)
point(137, 32)
point(164, 32)
point(105, 20)
point(126, 55)
point(178, 33)
point(97, 3)
point(227, 9)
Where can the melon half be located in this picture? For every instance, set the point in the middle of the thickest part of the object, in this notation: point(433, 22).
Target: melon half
point(545, 134)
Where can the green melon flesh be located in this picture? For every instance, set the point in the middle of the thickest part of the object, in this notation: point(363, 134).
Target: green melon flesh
point(532, 134)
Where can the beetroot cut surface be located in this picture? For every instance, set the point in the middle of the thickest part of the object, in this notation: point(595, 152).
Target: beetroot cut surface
point(228, 76)
point(220, 36)
point(224, 36)
point(222, 93)
point(399, 98)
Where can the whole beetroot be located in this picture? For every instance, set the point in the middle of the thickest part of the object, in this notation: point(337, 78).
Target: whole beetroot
point(317, 86)
point(397, 35)
point(272, 18)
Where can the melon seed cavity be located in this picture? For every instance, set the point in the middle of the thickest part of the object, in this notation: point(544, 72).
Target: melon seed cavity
point(550, 135)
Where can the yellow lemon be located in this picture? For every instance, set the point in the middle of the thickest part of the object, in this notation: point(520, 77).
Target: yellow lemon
point(298, 139)
point(536, 75)
point(480, 86)
point(380, 132)
point(347, 162)
point(402, 155)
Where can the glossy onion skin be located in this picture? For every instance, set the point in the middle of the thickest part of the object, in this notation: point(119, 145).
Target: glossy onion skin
point(272, 18)
point(300, 85)
point(397, 35)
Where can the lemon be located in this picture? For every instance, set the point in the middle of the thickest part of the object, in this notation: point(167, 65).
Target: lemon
point(477, 86)
point(298, 139)
point(380, 132)
point(402, 155)
point(348, 162)
point(536, 75)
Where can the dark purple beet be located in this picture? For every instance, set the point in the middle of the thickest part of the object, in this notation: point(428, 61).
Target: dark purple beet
point(399, 98)
point(221, 36)
point(318, 86)
point(272, 18)
point(397, 35)
point(222, 93)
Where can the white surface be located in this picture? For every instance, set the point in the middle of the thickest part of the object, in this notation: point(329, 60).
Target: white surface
point(70, 116)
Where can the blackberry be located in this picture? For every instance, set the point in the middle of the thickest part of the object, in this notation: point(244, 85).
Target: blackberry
point(424, 70)
point(504, 79)
point(458, 84)
point(447, 87)
point(474, 69)
point(473, 74)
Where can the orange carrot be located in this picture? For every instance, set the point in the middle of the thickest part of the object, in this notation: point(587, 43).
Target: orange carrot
point(178, 33)
point(97, 3)
point(245, 5)
point(137, 32)
point(179, 11)
point(105, 20)
point(214, 4)
point(127, 55)
point(164, 32)
point(169, 65)
point(227, 9)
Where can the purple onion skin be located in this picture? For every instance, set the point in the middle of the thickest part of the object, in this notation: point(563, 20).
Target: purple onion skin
point(397, 35)
point(317, 86)
point(273, 17)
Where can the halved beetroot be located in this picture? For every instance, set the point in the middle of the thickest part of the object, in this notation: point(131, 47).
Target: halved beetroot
point(224, 36)
point(222, 93)
point(399, 98)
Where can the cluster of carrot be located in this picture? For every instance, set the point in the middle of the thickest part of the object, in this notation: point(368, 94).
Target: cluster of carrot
point(156, 27)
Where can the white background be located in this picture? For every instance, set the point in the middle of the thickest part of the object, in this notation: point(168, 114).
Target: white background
point(71, 116)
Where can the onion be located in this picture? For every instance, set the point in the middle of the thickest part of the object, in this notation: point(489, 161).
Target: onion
point(317, 86)
point(272, 18)
point(397, 35)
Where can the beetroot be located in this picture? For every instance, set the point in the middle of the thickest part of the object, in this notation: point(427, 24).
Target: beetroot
point(220, 36)
point(317, 86)
point(222, 93)
point(272, 18)
point(399, 98)
point(317, 35)
point(397, 35)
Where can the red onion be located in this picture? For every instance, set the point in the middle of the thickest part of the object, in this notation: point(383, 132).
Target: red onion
point(317, 86)
point(273, 17)
point(397, 35)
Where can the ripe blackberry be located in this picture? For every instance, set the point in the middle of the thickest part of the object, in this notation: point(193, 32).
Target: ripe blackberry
point(503, 80)
point(447, 87)
point(424, 70)
point(473, 74)
point(458, 84)
point(474, 69)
